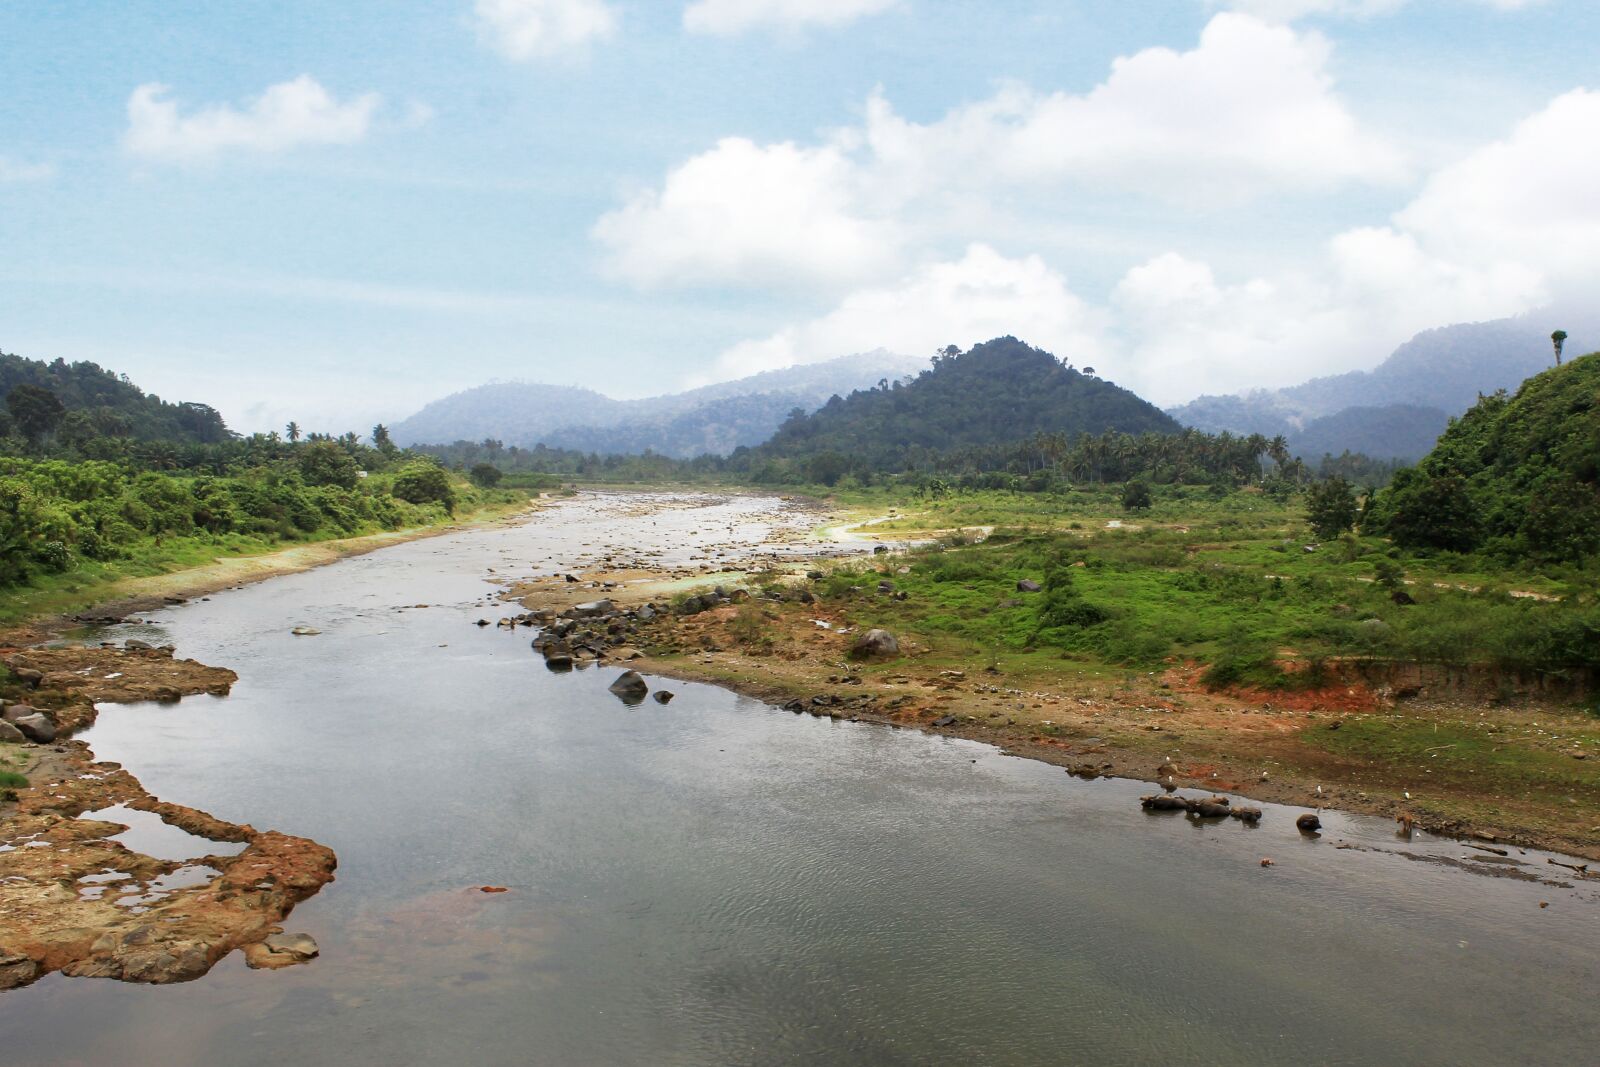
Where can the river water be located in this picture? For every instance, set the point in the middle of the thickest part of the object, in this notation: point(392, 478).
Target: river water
point(719, 882)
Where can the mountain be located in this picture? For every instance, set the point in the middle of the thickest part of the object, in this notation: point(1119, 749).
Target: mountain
point(1437, 374)
point(996, 393)
point(1517, 476)
point(1393, 431)
point(94, 401)
point(714, 418)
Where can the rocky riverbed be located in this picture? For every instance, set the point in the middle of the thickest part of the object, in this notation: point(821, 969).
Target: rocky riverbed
point(80, 892)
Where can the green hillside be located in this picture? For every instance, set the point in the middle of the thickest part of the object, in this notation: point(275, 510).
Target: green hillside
point(87, 402)
point(998, 392)
point(1516, 476)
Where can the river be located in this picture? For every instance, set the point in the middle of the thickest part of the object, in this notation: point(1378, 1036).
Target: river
point(716, 881)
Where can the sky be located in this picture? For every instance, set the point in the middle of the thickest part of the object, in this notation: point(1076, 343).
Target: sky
point(334, 213)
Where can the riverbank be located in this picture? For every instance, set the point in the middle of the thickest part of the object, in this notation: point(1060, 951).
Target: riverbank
point(32, 616)
point(1515, 774)
point(98, 878)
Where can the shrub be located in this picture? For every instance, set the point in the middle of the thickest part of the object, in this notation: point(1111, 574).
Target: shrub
point(424, 483)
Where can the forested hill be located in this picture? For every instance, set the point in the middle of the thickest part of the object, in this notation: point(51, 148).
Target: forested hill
point(997, 392)
point(1517, 476)
point(84, 400)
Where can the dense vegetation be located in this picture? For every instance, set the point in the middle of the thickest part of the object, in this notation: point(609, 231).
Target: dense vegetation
point(103, 480)
point(1517, 477)
point(85, 407)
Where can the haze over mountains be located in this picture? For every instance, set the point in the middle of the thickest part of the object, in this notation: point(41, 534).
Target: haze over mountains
point(713, 419)
point(1399, 408)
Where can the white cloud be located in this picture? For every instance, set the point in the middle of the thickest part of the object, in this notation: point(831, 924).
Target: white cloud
point(744, 213)
point(1249, 110)
point(1513, 226)
point(529, 29)
point(286, 115)
point(14, 171)
point(981, 296)
point(1529, 200)
point(729, 17)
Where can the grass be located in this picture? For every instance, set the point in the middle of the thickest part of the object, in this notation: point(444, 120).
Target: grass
point(1222, 579)
point(1522, 761)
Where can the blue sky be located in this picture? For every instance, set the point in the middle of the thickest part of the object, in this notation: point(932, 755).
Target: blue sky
point(335, 212)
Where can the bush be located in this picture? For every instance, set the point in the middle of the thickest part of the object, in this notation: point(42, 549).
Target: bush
point(424, 483)
point(485, 475)
point(325, 463)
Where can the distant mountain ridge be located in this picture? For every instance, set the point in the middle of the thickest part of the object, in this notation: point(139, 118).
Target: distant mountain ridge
point(711, 419)
point(1399, 408)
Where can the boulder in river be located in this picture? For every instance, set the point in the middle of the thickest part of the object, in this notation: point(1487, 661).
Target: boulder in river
point(281, 950)
point(664, 696)
point(875, 644)
point(630, 686)
point(1308, 823)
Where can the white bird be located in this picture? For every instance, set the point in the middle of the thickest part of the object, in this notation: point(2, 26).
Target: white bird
point(1319, 790)
point(1408, 796)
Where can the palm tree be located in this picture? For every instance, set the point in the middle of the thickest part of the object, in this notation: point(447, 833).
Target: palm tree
point(1557, 341)
point(292, 431)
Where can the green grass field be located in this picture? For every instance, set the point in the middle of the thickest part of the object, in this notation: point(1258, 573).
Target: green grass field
point(1236, 581)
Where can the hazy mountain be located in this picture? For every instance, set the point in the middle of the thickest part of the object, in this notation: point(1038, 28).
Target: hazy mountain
point(996, 393)
point(714, 418)
point(1393, 431)
point(1437, 374)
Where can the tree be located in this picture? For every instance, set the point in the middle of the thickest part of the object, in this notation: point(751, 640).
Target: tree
point(35, 410)
point(382, 441)
point(1558, 341)
point(325, 463)
point(292, 431)
point(424, 483)
point(1331, 507)
point(485, 475)
point(1136, 496)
